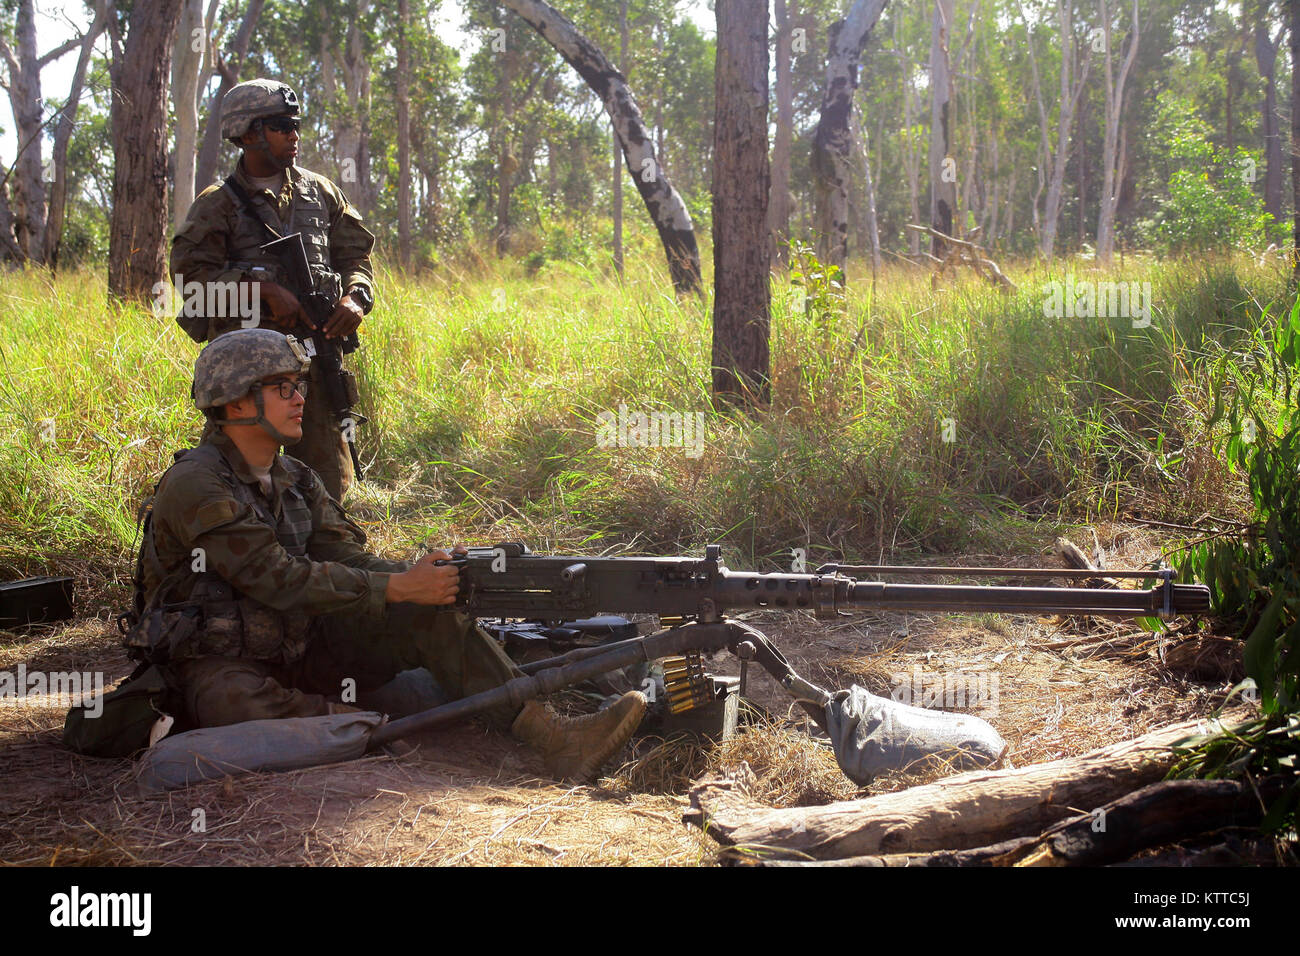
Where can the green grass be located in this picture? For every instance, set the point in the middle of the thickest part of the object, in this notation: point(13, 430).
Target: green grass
point(483, 388)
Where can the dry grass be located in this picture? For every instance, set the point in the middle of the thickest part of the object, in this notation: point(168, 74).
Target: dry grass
point(476, 800)
point(792, 769)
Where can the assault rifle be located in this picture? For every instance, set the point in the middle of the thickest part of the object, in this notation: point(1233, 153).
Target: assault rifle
point(691, 595)
point(340, 385)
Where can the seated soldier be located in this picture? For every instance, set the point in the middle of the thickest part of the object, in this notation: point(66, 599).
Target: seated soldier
point(260, 600)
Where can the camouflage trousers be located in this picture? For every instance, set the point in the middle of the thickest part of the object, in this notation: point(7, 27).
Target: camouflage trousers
point(462, 657)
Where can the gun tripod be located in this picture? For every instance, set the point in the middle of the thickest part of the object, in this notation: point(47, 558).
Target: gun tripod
point(584, 663)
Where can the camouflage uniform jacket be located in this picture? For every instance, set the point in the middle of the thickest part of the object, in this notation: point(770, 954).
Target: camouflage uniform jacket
point(235, 574)
point(218, 242)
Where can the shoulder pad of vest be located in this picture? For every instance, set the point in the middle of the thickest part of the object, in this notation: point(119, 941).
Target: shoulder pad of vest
point(205, 454)
point(299, 471)
point(201, 453)
point(208, 191)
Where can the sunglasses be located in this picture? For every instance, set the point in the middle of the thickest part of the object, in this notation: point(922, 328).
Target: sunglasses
point(282, 124)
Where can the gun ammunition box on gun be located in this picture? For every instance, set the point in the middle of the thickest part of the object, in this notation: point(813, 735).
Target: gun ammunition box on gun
point(691, 595)
point(340, 385)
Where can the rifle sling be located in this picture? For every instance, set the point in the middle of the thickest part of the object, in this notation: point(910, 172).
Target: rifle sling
point(245, 203)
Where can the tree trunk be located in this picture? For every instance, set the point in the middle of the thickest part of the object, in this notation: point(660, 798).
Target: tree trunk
point(911, 154)
point(1009, 228)
point(873, 230)
point(7, 240)
point(741, 304)
point(1071, 89)
point(617, 201)
point(943, 169)
point(23, 214)
point(1084, 167)
point(403, 133)
point(63, 134)
point(1231, 80)
point(28, 201)
point(972, 186)
point(1266, 59)
point(833, 141)
point(1114, 107)
point(666, 208)
point(353, 140)
point(991, 234)
point(137, 257)
point(975, 809)
point(507, 164)
point(779, 199)
point(187, 61)
point(618, 152)
point(1044, 146)
point(205, 171)
point(1295, 135)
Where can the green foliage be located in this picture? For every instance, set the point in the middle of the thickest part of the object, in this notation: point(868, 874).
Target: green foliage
point(1257, 747)
point(1211, 202)
point(822, 285)
point(1185, 185)
point(1254, 575)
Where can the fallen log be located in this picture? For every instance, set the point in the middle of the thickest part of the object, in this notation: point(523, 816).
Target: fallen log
point(963, 812)
point(1151, 817)
point(1245, 849)
point(1073, 555)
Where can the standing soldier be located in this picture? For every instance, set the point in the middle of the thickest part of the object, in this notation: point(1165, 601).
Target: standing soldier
point(266, 197)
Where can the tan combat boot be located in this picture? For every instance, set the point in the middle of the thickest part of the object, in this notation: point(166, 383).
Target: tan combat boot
point(574, 748)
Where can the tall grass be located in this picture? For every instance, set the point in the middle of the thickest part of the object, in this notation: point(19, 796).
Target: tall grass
point(483, 387)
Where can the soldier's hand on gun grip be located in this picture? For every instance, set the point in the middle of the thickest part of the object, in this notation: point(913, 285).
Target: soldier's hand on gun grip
point(345, 320)
point(426, 582)
point(285, 308)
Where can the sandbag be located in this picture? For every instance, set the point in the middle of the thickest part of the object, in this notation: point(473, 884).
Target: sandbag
point(872, 734)
point(254, 746)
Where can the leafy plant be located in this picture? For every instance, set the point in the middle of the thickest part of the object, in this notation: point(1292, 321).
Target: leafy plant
point(1211, 201)
point(1254, 575)
point(822, 284)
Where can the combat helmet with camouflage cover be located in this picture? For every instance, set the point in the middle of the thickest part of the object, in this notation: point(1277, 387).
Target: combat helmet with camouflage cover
point(232, 364)
point(254, 100)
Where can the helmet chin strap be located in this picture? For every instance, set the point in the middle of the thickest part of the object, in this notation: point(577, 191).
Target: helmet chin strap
point(261, 420)
point(262, 146)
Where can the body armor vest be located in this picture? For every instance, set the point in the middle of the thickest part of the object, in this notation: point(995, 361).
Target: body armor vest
point(217, 619)
point(308, 214)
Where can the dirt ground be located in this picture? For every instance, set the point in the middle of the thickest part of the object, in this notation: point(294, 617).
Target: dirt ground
point(1052, 687)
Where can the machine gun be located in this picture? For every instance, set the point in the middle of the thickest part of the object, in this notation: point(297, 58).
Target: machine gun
point(691, 595)
point(340, 385)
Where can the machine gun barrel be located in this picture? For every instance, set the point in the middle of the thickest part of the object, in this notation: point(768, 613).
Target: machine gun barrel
point(692, 593)
point(511, 581)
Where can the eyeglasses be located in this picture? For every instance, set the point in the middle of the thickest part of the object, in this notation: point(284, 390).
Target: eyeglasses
point(282, 124)
point(286, 388)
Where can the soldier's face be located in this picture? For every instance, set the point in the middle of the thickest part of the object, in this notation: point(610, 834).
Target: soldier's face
point(284, 414)
point(281, 140)
point(284, 146)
